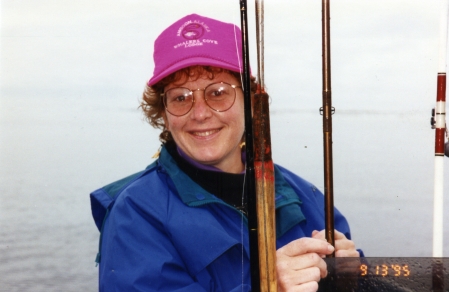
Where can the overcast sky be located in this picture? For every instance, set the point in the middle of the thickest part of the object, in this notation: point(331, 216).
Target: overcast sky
point(384, 52)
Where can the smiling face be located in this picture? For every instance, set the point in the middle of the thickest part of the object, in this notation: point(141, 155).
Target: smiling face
point(207, 136)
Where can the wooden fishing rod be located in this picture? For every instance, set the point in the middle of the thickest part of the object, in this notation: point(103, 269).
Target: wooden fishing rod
point(264, 167)
point(327, 110)
point(259, 183)
point(440, 132)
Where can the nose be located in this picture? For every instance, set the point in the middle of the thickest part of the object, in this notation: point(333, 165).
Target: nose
point(200, 110)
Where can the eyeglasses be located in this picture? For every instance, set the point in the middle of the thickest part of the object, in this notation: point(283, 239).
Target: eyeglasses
point(218, 96)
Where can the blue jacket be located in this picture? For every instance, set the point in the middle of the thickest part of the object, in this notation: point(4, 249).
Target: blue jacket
point(160, 231)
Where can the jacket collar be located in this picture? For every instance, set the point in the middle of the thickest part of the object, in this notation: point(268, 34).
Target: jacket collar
point(288, 204)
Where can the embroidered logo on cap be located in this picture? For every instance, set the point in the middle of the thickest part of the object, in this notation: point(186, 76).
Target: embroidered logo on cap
point(192, 31)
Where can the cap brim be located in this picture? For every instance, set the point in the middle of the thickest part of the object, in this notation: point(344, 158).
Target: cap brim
point(201, 61)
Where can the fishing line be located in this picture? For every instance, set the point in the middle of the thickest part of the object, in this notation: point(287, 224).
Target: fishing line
point(237, 49)
point(238, 58)
point(241, 229)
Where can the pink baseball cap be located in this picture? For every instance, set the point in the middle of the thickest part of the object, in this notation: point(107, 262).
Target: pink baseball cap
point(196, 40)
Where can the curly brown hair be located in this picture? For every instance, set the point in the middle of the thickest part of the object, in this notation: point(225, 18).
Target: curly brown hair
point(153, 106)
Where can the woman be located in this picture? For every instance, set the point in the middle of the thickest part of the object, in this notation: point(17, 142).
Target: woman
point(180, 225)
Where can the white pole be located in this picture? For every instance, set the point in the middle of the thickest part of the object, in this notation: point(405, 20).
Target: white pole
point(440, 119)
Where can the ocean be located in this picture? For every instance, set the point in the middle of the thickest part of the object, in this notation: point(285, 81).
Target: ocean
point(55, 151)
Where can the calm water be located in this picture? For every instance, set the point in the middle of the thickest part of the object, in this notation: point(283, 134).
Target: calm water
point(52, 157)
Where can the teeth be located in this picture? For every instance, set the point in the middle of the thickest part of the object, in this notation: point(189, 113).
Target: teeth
point(204, 134)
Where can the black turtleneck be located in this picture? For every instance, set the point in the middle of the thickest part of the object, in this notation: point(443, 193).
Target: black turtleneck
point(226, 186)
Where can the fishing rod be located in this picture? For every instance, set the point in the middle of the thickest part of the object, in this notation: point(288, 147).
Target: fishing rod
point(250, 184)
point(259, 183)
point(439, 123)
point(326, 111)
point(264, 167)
